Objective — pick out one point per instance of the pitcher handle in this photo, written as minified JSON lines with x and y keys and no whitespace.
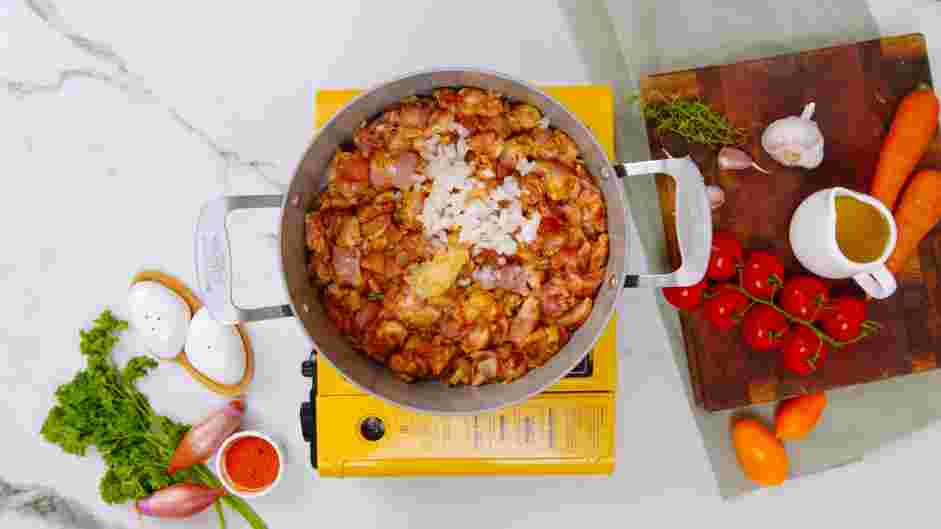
{"x":879,"y":283}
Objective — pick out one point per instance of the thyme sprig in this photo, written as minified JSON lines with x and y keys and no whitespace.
{"x":690,"y":118}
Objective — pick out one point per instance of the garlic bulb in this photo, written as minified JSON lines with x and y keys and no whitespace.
{"x":795,"y":140}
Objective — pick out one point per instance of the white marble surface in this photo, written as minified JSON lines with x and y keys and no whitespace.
{"x":119,"y":119}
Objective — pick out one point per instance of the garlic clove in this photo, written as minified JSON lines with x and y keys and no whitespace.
{"x":795,"y":140}
{"x":716,"y":197}
{"x":732,"y":158}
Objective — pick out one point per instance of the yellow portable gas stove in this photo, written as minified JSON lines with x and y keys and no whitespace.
{"x":568,"y":429}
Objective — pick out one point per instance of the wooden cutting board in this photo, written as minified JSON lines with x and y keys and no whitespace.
{"x":856,"y":88}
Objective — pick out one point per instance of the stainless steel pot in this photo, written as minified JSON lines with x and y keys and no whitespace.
{"x":214,"y":270}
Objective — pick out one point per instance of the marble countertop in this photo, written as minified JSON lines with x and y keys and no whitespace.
{"x":119,"y":120}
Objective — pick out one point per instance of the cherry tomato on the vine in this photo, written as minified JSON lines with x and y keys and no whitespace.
{"x":725,"y":309}
{"x":764,"y":328}
{"x":726,"y":256}
{"x":843,"y":317}
{"x":803,"y":351}
{"x":763,"y":274}
{"x":841,"y":330}
{"x":685,"y":298}
{"x":804,"y":297}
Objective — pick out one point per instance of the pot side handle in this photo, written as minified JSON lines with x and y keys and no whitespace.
{"x":214,"y":260}
{"x":693,"y":221}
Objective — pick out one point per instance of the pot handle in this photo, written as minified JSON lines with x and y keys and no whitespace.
{"x":214,"y":260}
{"x":693,"y":221}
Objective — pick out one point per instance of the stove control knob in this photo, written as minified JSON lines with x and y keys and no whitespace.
{"x":307,"y":421}
{"x":308,"y":368}
{"x":372,"y":428}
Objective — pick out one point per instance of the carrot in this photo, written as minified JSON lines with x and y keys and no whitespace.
{"x":913,"y":128}
{"x":917,"y":214}
{"x":797,"y":417}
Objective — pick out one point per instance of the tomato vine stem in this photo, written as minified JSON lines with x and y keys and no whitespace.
{"x":869,"y":327}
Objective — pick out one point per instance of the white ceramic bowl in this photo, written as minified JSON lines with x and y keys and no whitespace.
{"x":224,"y":476}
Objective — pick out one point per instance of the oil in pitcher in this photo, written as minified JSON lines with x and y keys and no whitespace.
{"x":861,"y":231}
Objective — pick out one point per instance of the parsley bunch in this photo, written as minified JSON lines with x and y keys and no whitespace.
{"x":102,"y":407}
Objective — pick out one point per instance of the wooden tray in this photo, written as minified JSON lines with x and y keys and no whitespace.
{"x":194,"y":303}
{"x":856,"y":88}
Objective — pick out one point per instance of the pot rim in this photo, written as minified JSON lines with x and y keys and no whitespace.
{"x":613,"y":278}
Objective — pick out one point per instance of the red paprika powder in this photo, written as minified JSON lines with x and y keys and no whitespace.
{"x":251,"y":463}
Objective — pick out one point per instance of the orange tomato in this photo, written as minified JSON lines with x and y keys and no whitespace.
{"x":797,"y":417}
{"x":760,"y":454}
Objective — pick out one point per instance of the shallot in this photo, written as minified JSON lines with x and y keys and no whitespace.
{"x":795,"y":140}
{"x":732,"y":158}
{"x":202,"y":440}
{"x":178,"y":501}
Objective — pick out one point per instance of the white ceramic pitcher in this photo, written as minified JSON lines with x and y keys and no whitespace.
{"x":813,"y":240}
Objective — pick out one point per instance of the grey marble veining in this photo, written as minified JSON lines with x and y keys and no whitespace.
{"x":44,"y":507}
{"x":116,"y":73}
